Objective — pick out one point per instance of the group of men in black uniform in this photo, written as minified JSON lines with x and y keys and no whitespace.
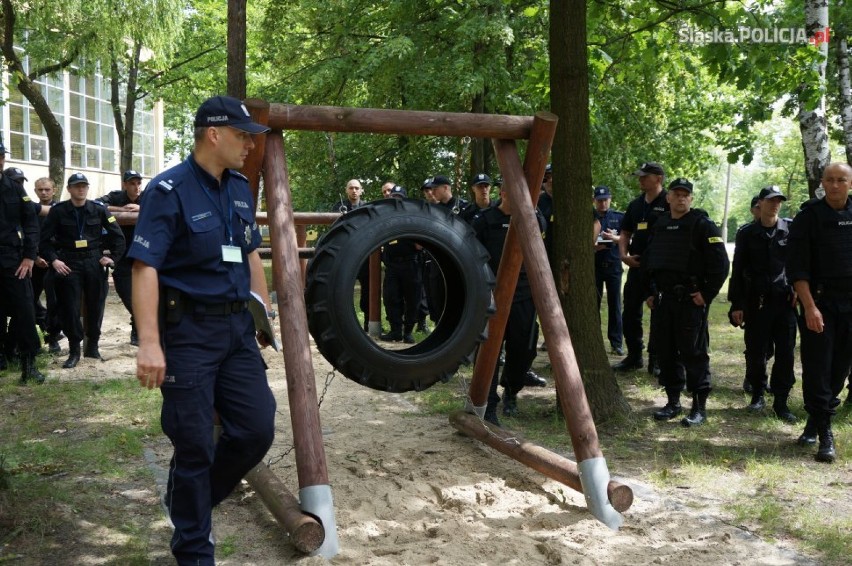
{"x":64,"y":250}
{"x":786,"y":274}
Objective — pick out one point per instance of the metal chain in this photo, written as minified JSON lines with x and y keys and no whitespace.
{"x":329,"y":378}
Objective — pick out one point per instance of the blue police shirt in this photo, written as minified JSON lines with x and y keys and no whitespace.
{"x":610,"y":220}
{"x":183,"y":224}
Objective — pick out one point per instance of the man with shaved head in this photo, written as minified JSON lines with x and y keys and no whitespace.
{"x":819,"y":264}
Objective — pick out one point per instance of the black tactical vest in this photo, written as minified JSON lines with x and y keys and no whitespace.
{"x":767,"y":255}
{"x":671,"y":248}
{"x":834,"y":235}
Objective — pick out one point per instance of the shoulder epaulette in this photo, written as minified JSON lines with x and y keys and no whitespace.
{"x":165,"y":185}
{"x":238,"y":174}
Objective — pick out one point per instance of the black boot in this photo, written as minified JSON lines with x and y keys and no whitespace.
{"x":698,"y":414}
{"x":395,"y":335}
{"x":672,"y":408}
{"x":758,"y":403}
{"x":29,"y":371}
{"x":407,"y":337}
{"x":423,"y":327}
{"x":510,"y":403}
{"x":490,"y":415}
{"x":92,"y":350}
{"x":825,"y":452}
{"x":809,"y":435}
{"x":73,"y":355}
{"x":782,"y":411}
{"x":532,"y":379}
{"x":630,"y":363}
{"x":134,"y":336}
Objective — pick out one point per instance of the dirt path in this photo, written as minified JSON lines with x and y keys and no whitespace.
{"x":408,"y":489}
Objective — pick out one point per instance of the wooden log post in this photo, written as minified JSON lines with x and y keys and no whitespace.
{"x":259,"y":110}
{"x":552,"y":465}
{"x":301,"y":381}
{"x":305,"y":531}
{"x":543,"y":130}
{"x":374,"y":311}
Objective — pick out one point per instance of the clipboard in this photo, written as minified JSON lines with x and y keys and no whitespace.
{"x":261,"y":322}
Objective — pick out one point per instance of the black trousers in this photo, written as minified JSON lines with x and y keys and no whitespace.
{"x":680,"y":335}
{"x":87,"y":279}
{"x":631,"y":316}
{"x":17,"y":302}
{"x":436,"y":289}
{"x":770,"y":326}
{"x":401,"y":292}
{"x":520,"y":340}
{"x":122,"y":277}
{"x":611,"y":280}
{"x":46,"y":317}
{"x":826,"y":357}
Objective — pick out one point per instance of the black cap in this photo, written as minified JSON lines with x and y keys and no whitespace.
{"x":15,"y":174}
{"x":3,"y":149}
{"x":130,"y":174}
{"x":680,"y":183}
{"x":397,"y":191}
{"x":226,"y":111}
{"x":481,"y":179}
{"x":754,"y":201}
{"x":602,"y":192}
{"x":436,"y":181}
{"x":76,"y":179}
{"x":771,"y":191}
{"x":650,"y":168}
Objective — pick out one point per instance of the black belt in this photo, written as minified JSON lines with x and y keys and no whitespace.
{"x":74,"y":254}
{"x":189,"y":306}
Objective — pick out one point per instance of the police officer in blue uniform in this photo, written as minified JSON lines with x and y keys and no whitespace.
{"x":125,"y":200}
{"x":638,"y":221}
{"x":19,"y":234}
{"x":763,"y":300}
{"x":197,"y":264}
{"x":402,"y":287}
{"x":608,"y":268}
{"x":683,"y":266}
{"x":521,"y":335}
{"x":819,"y":264}
{"x":75,"y":237}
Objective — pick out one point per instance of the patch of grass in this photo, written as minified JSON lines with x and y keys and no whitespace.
{"x":76,"y":446}
{"x":226,"y":547}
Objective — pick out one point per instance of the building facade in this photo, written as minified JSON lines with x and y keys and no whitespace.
{"x":82,"y":106}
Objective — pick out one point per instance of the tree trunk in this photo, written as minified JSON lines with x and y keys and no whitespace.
{"x":812,"y":122}
{"x":572,"y":196}
{"x":845,"y":95}
{"x":237,"y":48}
{"x":32,"y":92}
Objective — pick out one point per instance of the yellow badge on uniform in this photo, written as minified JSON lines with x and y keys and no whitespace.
{"x":642,"y":226}
{"x":81,"y":244}
{"x":111,"y":219}
{"x":714,"y":240}
{"x":26,"y":199}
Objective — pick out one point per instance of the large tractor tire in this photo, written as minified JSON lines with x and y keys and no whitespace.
{"x":330,"y":286}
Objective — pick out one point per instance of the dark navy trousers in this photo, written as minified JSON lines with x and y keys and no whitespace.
{"x":213,"y":365}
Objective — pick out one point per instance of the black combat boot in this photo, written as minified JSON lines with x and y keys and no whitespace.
{"x":698,"y":414}
{"x":825,"y":452}
{"x":29,"y":371}
{"x":758,"y":402}
{"x":809,"y":435}
{"x":407,"y":337}
{"x":395,"y":335}
{"x":672,"y":408}
{"x":630,"y":363}
{"x":782,"y":411}
{"x":532,"y":379}
{"x":92,"y":350}
{"x":73,"y":355}
{"x":510,"y":402}
{"x":423,"y":327}
{"x":490,"y":415}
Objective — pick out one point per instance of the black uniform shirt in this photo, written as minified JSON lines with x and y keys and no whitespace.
{"x":344,"y":206}
{"x":455,"y":204}
{"x":491,"y":227}
{"x":639,"y":219}
{"x":66,"y":225}
{"x":820,"y":246}
{"x":121,"y":198}
{"x":19,"y":230}
{"x":759,"y":258}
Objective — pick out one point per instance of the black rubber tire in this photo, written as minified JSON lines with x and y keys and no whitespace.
{"x":331,"y":279}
